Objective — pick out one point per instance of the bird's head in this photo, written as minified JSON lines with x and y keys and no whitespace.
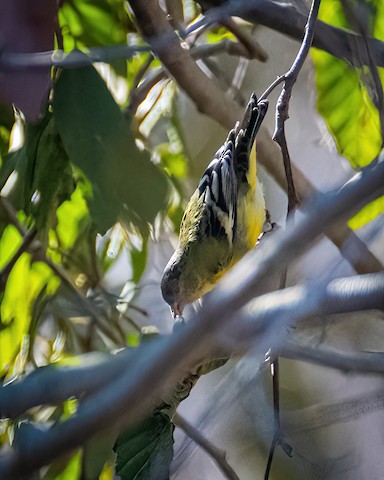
{"x":170,"y":286}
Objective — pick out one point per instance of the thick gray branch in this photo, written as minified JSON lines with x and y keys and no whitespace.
{"x":156,"y":367}
{"x":365,"y":362}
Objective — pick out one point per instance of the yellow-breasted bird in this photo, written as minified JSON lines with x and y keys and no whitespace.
{"x":223,"y":218}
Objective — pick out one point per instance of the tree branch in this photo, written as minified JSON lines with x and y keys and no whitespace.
{"x":158,"y":32}
{"x":75,"y":59}
{"x":139,"y":93}
{"x":218,"y":455}
{"x":283,"y":102}
{"x":269,"y":317}
{"x":290,"y":19}
{"x":156,"y":367}
{"x":52,"y":385}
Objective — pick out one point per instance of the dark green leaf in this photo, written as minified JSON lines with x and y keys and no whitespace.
{"x":139,"y":260}
{"x":145,"y":452}
{"x":6,"y":122}
{"x":21,"y":164}
{"x":97,"y":138}
{"x":52,"y":179}
{"x":97,"y":451}
{"x":40,"y":173}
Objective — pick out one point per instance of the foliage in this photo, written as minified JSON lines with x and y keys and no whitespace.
{"x":347,"y":95}
{"x":97,"y":139}
{"x":146,"y":451}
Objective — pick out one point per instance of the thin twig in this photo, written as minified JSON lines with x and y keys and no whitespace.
{"x":216,"y":453}
{"x":198,"y":52}
{"x":142,"y":71}
{"x":254,"y":49}
{"x":271,"y":452}
{"x":279,"y":136}
{"x":57,"y":58}
{"x":283,"y":102}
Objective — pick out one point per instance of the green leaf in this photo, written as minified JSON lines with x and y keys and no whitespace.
{"x":7,"y":121}
{"x":94,"y":23}
{"x":139,"y":259}
{"x":367,"y":214}
{"x":344,"y":99}
{"x":71,"y":471}
{"x":145,"y":452}
{"x":71,"y":215}
{"x":9,"y":243}
{"x":52,"y":180}
{"x":73,"y":241}
{"x":98,"y":139}
{"x":37,"y":178}
{"x":24,"y":285}
{"x":110,"y":246}
{"x":21,"y":164}
{"x":97,"y":451}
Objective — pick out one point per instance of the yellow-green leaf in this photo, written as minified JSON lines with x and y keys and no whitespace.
{"x":25,"y":282}
{"x":367,"y":214}
{"x":344,"y":100}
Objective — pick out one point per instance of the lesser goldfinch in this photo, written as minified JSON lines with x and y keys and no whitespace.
{"x":223,"y":218}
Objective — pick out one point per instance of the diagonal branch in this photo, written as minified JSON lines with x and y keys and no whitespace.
{"x":157,"y":366}
{"x":218,"y":455}
{"x":158,"y":32}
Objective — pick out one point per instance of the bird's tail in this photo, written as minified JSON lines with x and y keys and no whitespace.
{"x":245,"y":136}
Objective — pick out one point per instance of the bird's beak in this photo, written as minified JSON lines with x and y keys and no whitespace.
{"x":176,"y":310}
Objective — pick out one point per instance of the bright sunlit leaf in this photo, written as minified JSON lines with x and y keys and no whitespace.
{"x":94,"y":23}
{"x":72,"y":470}
{"x":25,"y":283}
{"x":344,"y":100}
{"x":70,"y":216}
{"x":367,"y":214}
{"x":9,"y":243}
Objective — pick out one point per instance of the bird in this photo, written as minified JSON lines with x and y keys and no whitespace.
{"x":223,"y":218}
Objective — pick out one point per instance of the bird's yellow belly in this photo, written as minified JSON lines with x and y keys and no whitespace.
{"x":251,"y":212}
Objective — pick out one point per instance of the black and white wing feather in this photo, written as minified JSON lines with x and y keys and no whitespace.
{"x":218,"y":186}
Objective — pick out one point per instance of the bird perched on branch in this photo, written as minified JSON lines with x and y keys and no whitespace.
{"x":223,"y":218}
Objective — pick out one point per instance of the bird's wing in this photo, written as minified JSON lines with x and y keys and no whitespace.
{"x":218,"y":190}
